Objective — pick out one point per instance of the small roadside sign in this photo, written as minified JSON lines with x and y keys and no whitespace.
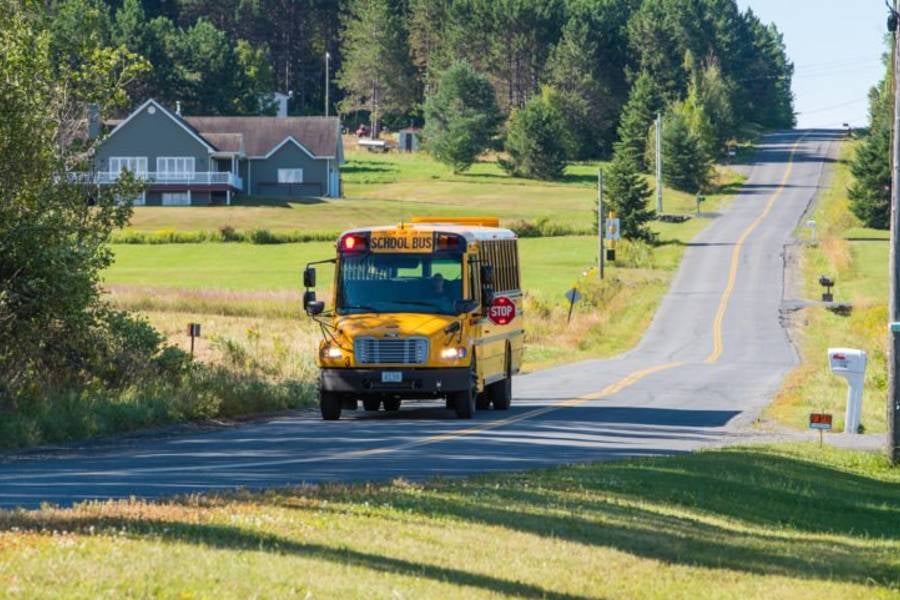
{"x":573,"y":295}
{"x":820,"y":421}
{"x":193,"y":330}
{"x":613,"y":229}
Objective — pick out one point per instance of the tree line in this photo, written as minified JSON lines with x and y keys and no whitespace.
{"x":870,"y":192}
{"x":388,"y":56}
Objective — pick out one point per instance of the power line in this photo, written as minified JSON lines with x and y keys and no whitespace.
{"x":828,"y":108}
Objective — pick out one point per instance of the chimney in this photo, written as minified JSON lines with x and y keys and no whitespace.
{"x":178,"y":107}
{"x":93,"y":122}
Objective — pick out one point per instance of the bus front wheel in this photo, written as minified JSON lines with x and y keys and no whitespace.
{"x":330,"y":405}
{"x":464,"y":401}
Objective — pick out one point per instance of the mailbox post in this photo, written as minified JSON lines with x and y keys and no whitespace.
{"x":851,"y":365}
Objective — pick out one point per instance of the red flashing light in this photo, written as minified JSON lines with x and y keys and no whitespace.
{"x":353,"y":242}
{"x":447,"y":242}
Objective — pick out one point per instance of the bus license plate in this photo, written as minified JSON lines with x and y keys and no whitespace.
{"x":391,"y":377}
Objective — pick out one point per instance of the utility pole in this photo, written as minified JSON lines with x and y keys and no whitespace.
{"x":600,"y":257}
{"x":659,"y":189}
{"x":893,"y":401}
{"x":327,"y":80}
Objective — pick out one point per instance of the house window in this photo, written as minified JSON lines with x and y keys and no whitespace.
{"x":176,"y":199}
{"x":134,"y":164}
{"x":175,"y":165}
{"x":290,"y":175}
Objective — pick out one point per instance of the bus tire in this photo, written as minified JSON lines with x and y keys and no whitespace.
{"x":483,"y":401}
{"x":464,"y":401}
{"x":371,"y":404}
{"x":330,"y":405}
{"x":392,"y":404}
{"x":500,"y":392}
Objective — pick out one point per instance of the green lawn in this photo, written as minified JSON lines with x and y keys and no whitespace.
{"x":857,"y":258}
{"x":386,"y":188}
{"x":549,"y":265}
{"x":766,"y":522}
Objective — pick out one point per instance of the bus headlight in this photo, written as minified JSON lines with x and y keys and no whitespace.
{"x":331,"y":351}
{"x":453,"y":353}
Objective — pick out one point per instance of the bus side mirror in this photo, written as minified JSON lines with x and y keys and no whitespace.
{"x":487,"y":294}
{"x":309,"y":277}
{"x":312,"y":306}
{"x":487,"y":275}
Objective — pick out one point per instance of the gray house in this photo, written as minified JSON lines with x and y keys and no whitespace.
{"x":207,"y":160}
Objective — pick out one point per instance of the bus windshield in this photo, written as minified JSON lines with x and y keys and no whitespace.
{"x":392,"y":283}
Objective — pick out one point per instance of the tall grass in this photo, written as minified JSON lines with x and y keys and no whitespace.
{"x":225,"y":233}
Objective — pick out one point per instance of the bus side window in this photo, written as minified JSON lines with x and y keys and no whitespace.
{"x":474,"y":280}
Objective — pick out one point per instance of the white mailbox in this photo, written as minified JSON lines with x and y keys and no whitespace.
{"x":850,"y":364}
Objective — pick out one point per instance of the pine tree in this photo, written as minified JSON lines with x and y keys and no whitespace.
{"x":870,"y":192}
{"x":687,"y":166}
{"x":637,"y":117}
{"x":461,"y":118}
{"x":538,"y":141}
{"x":376,"y":72}
{"x":629,"y":194}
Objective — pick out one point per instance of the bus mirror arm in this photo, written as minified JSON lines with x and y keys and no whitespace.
{"x":487,"y":295}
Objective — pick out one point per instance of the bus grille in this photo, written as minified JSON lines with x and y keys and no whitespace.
{"x":398,"y":351}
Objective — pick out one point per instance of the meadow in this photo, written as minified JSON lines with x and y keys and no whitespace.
{"x":857,"y":258}
{"x":766,"y":522}
{"x":387,"y":188}
{"x":253,"y":283}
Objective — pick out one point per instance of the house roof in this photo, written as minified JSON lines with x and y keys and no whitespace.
{"x":225,"y":142}
{"x":261,"y":135}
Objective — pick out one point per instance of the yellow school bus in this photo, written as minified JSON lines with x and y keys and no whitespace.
{"x":421,"y":310}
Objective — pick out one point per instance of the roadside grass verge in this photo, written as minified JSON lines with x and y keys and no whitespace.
{"x":763,"y":522}
{"x":244,"y":366}
{"x":857,"y":258}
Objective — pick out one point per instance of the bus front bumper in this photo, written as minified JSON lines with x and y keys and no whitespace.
{"x":396,"y":381}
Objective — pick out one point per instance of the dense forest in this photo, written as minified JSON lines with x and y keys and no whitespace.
{"x":387,"y":57}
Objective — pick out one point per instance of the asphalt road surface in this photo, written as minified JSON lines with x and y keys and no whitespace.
{"x":712,"y":358}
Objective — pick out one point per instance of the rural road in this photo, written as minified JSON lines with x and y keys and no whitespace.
{"x":712,"y":358}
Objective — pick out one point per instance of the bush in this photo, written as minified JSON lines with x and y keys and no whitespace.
{"x":543,"y":227}
{"x":263,"y":236}
{"x":228,"y":234}
{"x":538,"y":141}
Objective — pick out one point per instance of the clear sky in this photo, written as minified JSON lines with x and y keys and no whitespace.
{"x":836,"y":47}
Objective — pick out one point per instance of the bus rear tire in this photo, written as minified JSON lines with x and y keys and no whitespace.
{"x":371,"y":404}
{"x":330,"y":405}
{"x":392,"y":404}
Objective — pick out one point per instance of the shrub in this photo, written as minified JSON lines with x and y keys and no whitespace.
{"x":264,"y":236}
{"x":228,"y":234}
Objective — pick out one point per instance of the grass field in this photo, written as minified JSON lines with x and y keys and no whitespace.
{"x":858,"y":260}
{"x":386,"y":188}
{"x":765,"y":522}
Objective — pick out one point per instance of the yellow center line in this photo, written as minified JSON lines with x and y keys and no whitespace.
{"x":628,"y":380}
{"x":718,"y":346}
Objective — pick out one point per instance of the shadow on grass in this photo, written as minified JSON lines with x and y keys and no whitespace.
{"x":235,"y":538}
{"x":772,"y":512}
{"x":747,"y":510}
{"x":275,"y":201}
